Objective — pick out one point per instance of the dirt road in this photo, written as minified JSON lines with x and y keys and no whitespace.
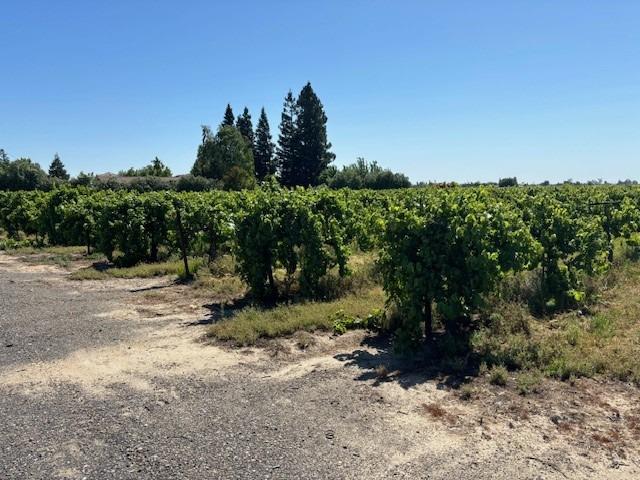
{"x":112,"y":380}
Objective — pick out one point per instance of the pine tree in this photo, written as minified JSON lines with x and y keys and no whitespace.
{"x":245,"y":127}
{"x":313,"y":155}
{"x":263,"y":151}
{"x":4,"y":158}
{"x":287,"y":143}
{"x":57,"y":170}
{"x":229,"y":118}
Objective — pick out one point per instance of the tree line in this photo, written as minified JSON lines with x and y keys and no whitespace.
{"x":234,"y":157}
{"x":238,"y":156}
{"x":23,"y":174}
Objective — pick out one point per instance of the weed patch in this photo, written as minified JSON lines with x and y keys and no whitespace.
{"x":251,"y":324}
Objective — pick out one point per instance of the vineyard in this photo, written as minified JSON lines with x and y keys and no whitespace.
{"x":441,"y":252}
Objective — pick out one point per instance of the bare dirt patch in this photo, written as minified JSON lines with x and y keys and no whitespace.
{"x":18,"y":264}
{"x":408,"y":419}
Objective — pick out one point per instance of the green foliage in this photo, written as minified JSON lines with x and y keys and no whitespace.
{"x":342,"y":322}
{"x":573,"y":245}
{"x":293,"y":230}
{"x":245,"y":127}
{"x":263,"y":151}
{"x":529,"y":382}
{"x":442,"y":251}
{"x":252,"y":324}
{"x":363,"y":174}
{"x":498,"y":375}
{"x":57,"y":170}
{"x":22,"y":174}
{"x":142,"y":270}
{"x":84,"y":180}
{"x":303,"y":148}
{"x":287,"y":151}
{"x":227,"y":158}
{"x":229,"y":117}
{"x":449,"y":249}
{"x":508,"y":182}
{"x":313,"y":153}
{"x":155,"y":169}
{"x":190,"y":183}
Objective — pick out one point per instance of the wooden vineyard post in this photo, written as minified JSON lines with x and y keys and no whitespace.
{"x":182,"y":239}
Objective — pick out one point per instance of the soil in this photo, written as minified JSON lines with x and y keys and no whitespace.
{"x":114,"y":379}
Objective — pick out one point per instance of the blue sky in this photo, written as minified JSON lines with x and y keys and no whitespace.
{"x":458,"y":90}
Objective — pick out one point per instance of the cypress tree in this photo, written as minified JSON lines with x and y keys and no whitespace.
{"x":287,"y":149}
{"x":229,"y":118}
{"x":57,"y":170}
{"x":263,"y":151}
{"x":313,"y":155}
{"x":245,"y":127}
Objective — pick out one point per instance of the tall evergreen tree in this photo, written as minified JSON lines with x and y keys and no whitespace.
{"x":57,"y":170}
{"x":313,"y":155}
{"x":4,"y":159}
{"x":286,"y":153}
{"x":245,"y":127}
{"x":263,"y":149}
{"x":229,"y":118}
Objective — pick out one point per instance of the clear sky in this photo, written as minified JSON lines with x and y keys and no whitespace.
{"x":441,"y":90}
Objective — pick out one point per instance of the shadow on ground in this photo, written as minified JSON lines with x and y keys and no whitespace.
{"x":219,"y":311}
{"x":424,"y":365}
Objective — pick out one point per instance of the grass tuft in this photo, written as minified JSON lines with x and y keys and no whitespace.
{"x":251,"y":324}
{"x":529,"y":382}
{"x":304,"y":340}
{"x":142,"y":270}
{"x":498,"y":375}
{"x":466,"y":393}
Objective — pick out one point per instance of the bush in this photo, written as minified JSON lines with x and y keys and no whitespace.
{"x":191,"y":183}
{"x":295,"y":231}
{"x":529,"y":382}
{"x":508,"y":182}
{"x":498,"y":375}
{"x":342,"y":321}
{"x":23,"y":174}
{"x":363,"y":174}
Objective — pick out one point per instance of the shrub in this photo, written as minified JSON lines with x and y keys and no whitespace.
{"x":529,"y":382}
{"x":342,"y":322}
{"x":498,"y":375}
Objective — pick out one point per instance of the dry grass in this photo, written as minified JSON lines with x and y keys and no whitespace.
{"x":251,"y":324}
{"x":529,"y":382}
{"x":142,"y":270}
{"x":603,"y":340}
{"x":304,"y":340}
{"x":466,"y":393}
{"x":382,"y":372}
{"x":71,"y":250}
{"x":224,"y":288}
{"x":435,"y":410}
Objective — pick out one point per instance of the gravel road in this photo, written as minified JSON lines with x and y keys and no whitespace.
{"x":92,"y":388}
